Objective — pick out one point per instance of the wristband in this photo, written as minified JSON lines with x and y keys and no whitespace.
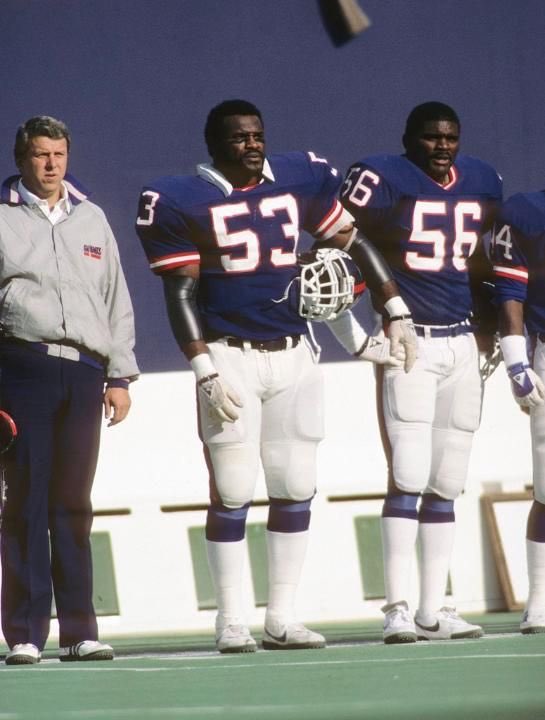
{"x":396,"y":308}
{"x":202,"y":365}
{"x":513,"y":349}
{"x":117,"y":383}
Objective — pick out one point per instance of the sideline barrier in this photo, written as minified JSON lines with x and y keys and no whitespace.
{"x":150,"y":498}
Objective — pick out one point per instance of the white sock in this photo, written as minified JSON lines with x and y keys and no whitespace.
{"x":225,"y":560}
{"x":398,"y":546}
{"x":436,"y":541}
{"x":535,"y":557}
{"x":286,"y":554}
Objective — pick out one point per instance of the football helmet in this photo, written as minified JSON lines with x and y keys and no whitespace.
{"x":330,"y":282}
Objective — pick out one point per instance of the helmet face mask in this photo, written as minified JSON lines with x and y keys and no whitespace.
{"x":329,"y":284}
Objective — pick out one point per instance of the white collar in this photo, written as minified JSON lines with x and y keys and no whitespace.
{"x":212,"y":175}
{"x":29,"y":198}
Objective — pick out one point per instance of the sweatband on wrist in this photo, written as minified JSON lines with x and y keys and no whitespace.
{"x":513,"y":348}
{"x":396,"y":306}
{"x":202,"y":365}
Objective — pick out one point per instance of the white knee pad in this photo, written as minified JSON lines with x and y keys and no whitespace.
{"x":411,"y":456}
{"x":236,"y":468}
{"x":537,"y":425}
{"x":290,"y":469}
{"x":452,"y":450}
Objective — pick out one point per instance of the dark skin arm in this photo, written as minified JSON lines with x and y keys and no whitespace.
{"x":389,"y":288}
{"x":511,"y":318}
{"x":194,"y":347}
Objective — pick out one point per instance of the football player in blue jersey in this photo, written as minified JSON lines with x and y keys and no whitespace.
{"x":225,"y":244}
{"x":518,"y":251}
{"x":426,"y":211}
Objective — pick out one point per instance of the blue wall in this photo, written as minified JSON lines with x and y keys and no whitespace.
{"x":134,"y":80}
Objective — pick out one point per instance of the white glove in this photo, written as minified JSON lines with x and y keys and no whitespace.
{"x":221,"y":400}
{"x":527,"y":388}
{"x":377,"y":349}
{"x":403,"y":340}
{"x":374,"y":348}
{"x":401,"y":331}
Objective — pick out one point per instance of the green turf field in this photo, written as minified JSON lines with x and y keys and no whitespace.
{"x":501,"y":676}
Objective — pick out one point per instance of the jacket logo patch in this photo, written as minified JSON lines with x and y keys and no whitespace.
{"x":92,"y":251}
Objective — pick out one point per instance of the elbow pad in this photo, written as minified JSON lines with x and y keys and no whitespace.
{"x":373,"y":266}
{"x":183,"y":314}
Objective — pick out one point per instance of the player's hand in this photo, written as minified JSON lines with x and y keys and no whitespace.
{"x":222,"y":400}
{"x":377,"y":349}
{"x":527,"y":388}
{"x":403,"y":341}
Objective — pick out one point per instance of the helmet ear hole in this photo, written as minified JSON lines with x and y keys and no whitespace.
{"x":330,"y":283}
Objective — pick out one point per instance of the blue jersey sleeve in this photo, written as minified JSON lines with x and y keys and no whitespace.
{"x":324,"y":215}
{"x":368,"y":197}
{"x":163,"y":231}
{"x":510,"y":263}
{"x":519,"y":256}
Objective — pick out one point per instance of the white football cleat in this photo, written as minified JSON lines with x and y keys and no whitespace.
{"x":290,"y":636}
{"x":23,"y":654}
{"x":235,"y":639}
{"x":86,"y":650}
{"x":448,"y":626}
{"x":532,"y":624}
{"x":398,"y":624}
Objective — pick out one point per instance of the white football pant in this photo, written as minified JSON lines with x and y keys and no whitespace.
{"x":537,"y":428}
{"x":431,"y":414}
{"x":280,"y":424}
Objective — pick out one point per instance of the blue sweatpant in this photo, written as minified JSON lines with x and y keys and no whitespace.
{"x":57,"y":406}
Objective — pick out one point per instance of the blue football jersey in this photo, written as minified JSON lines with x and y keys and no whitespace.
{"x":245,"y":240}
{"x":425,"y":231}
{"x":518,"y":252}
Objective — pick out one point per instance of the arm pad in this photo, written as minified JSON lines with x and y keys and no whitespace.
{"x":373,"y":266}
{"x":183,"y":314}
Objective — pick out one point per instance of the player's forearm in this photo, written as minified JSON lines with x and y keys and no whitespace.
{"x":375,"y":270}
{"x":511,"y":318}
{"x":183,"y":314}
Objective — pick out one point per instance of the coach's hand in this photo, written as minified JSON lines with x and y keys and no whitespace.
{"x":403,"y":341}
{"x":527,"y":388}
{"x":117,"y":403}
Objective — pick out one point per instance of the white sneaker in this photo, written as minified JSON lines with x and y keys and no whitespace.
{"x":86,"y":650}
{"x":235,"y":639}
{"x":532,"y":624}
{"x":23,"y":654}
{"x":448,"y":626}
{"x":398,"y":624}
{"x":291,"y":636}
